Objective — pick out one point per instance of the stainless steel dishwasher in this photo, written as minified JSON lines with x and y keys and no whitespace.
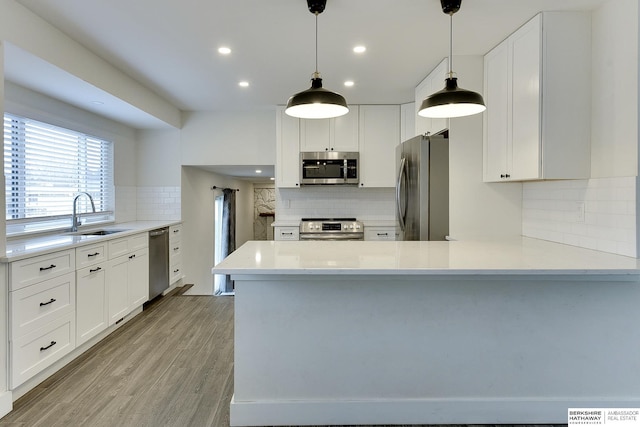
{"x":158,"y":261}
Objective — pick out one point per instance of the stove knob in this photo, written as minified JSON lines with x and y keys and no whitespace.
{"x":351,"y":226}
{"x":317,"y":227}
{"x":357,"y":227}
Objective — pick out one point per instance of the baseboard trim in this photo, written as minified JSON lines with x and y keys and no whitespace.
{"x":414,"y":411}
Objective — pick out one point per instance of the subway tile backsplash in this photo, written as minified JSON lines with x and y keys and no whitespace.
{"x":597,"y":213}
{"x":147,"y":203}
{"x":158,"y":203}
{"x":365,"y":204}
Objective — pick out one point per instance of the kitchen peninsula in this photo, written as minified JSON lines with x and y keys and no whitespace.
{"x":458,"y":332}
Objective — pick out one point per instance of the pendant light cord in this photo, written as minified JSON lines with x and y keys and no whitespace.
{"x":451,"y":45}
{"x":316,"y":74}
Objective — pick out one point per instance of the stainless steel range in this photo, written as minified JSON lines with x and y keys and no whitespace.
{"x":331,"y":229}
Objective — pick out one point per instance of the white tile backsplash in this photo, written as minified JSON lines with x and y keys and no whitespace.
{"x":365,"y":204}
{"x":551,"y":210}
{"x":147,"y":203}
{"x":126,"y":203}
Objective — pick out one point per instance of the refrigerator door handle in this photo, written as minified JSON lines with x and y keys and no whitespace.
{"x":400,"y":200}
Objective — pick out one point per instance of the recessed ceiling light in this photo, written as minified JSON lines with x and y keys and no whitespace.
{"x":258,"y":171}
{"x":349,"y":83}
{"x":359,"y":49}
{"x":243,"y":84}
{"x":224,"y":50}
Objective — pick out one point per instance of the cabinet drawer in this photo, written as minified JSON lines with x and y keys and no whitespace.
{"x":373,"y":233}
{"x":175,"y":250}
{"x":175,"y":271}
{"x":39,"y":349}
{"x":118,"y":247}
{"x":287,"y":233}
{"x":35,"y":306}
{"x":36,"y":269}
{"x":175,"y":232}
{"x":124,"y":245}
{"x":139,"y":241}
{"x":88,"y":255}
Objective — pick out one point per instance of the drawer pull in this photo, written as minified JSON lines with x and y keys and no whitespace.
{"x":287,"y":234}
{"x":176,"y":248}
{"x":175,"y":271}
{"x":48,"y":347}
{"x":176,"y":231}
{"x":95,"y":269}
{"x":51,"y":301}
{"x":132,"y":256}
{"x":94,"y":254}
{"x":383,"y":234}
{"x":47,"y":268}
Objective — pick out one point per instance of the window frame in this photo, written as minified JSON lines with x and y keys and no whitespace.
{"x":18,"y":165}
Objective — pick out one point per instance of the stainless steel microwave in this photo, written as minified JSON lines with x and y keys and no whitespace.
{"x":329,"y":168}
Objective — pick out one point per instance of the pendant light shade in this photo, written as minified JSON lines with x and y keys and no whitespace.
{"x":316,"y":102}
{"x":451,"y":101}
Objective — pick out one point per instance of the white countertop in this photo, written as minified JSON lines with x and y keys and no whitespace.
{"x":518,"y":256}
{"x":27,"y":247}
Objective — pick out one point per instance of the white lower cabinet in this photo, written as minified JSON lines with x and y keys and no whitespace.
{"x":286,"y":233}
{"x":128,"y":283}
{"x":138,"y":278}
{"x":42,"y":325}
{"x":91,"y":302}
{"x":39,"y":349}
{"x":379,"y":233}
{"x":54,"y":308}
{"x":175,"y":253}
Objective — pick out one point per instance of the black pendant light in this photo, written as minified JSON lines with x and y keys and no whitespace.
{"x":316,"y":102}
{"x":451,"y":101}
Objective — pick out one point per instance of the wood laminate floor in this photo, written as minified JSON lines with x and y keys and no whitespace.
{"x":170,"y":366}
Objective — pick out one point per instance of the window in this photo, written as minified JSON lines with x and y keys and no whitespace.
{"x":45,"y":167}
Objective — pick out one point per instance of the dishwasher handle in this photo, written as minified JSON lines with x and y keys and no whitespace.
{"x":159,"y":232}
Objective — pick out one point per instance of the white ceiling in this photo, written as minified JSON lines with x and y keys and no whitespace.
{"x":171,"y":46}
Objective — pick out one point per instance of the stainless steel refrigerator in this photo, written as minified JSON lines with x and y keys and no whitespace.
{"x":422,"y":188}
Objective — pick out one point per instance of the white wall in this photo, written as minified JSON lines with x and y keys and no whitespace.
{"x":229,"y":138}
{"x":158,"y":158}
{"x":477,"y":209}
{"x":26,"y":30}
{"x":614,"y":139}
{"x":22,"y":101}
{"x":198,"y":223}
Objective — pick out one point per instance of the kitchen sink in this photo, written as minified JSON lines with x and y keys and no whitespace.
{"x":101,"y":232}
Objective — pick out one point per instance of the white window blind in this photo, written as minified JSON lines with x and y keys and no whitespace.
{"x":46,"y":166}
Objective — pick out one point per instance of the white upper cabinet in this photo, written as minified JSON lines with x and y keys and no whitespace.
{"x":337,"y":134}
{"x":379,"y":137}
{"x":287,"y":150}
{"x":434,"y":82}
{"x":538,"y":96}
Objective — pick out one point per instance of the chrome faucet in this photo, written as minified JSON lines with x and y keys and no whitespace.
{"x":75,"y":219}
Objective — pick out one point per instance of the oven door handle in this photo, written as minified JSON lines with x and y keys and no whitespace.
{"x":332,"y":236}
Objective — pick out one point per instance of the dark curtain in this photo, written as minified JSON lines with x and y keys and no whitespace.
{"x":228,"y":232}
